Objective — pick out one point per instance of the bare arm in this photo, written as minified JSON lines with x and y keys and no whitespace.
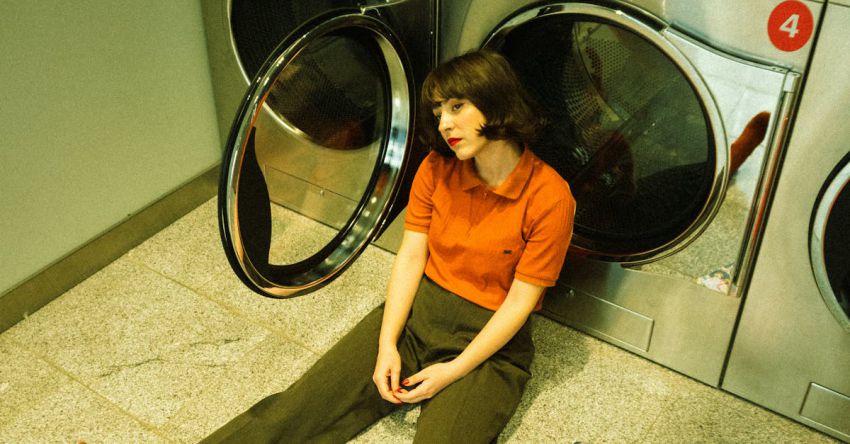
{"x":505,"y":323}
{"x":407,"y":271}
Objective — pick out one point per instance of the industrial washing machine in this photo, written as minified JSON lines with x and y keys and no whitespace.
{"x":667,"y":117}
{"x":321,"y":152}
{"x":792,"y":347}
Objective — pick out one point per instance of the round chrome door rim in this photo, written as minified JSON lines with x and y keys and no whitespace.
{"x":235,"y":50}
{"x":280,"y":120}
{"x":384,"y":185}
{"x":655,"y":36}
{"x":816,"y":244}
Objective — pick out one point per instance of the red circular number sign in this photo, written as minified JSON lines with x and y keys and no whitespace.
{"x":790,"y":25}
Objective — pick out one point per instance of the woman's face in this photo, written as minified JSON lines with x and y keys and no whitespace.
{"x":459,"y":122}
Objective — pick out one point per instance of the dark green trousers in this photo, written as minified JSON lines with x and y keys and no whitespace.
{"x":336,"y":399}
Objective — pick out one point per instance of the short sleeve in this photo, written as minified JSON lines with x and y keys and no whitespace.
{"x":420,"y":203}
{"x":547,"y":241}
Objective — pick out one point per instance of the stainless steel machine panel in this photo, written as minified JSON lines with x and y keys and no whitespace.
{"x":650,"y":122}
{"x":792,"y":348}
{"x":729,"y":26}
{"x":733,"y":26}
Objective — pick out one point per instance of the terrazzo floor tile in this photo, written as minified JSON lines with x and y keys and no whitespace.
{"x":558,"y":361}
{"x":269,"y":368}
{"x":166,"y":345}
{"x":319,"y":319}
{"x":39,"y":404}
{"x":295,"y":237}
{"x":579,"y":391}
{"x":188,"y":251}
{"x":138,"y":339}
{"x":703,"y":414}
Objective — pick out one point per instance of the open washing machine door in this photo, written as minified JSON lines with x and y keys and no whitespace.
{"x":317,"y":154}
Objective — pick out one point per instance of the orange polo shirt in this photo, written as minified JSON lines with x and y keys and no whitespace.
{"x":481,"y":238}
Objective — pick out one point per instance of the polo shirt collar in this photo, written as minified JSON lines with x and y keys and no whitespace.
{"x":513,"y":184}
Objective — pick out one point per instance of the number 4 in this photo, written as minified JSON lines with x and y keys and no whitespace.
{"x":790,"y":25}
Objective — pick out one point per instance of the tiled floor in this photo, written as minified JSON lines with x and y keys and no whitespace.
{"x":165,"y":345}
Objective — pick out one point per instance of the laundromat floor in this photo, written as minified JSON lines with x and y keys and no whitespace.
{"x":166,"y":344}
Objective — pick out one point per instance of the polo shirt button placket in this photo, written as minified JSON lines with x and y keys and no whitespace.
{"x":480,"y":205}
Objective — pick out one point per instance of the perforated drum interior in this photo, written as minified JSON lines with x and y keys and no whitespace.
{"x":626,"y":130}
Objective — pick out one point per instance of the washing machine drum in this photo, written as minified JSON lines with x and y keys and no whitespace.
{"x":626,"y":130}
{"x":830,"y":243}
{"x":837,"y":249}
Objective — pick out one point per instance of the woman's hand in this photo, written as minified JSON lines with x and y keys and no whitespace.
{"x":502,"y":326}
{"x":387,"y":370}
{"x":408,"y":268}
{"x":431,"y":380}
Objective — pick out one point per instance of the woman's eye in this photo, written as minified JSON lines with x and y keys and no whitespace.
{"x":457,"y":106}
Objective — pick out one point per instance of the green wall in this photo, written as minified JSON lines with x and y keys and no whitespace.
{"x":105,"y":107}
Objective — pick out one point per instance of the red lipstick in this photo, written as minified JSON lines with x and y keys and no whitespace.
{"x":452,"y":141}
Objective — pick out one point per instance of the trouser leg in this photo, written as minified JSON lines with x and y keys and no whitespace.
{"x":331,"y":402}
{"x":474,"y":409}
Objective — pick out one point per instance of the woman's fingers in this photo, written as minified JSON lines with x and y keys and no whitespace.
{"x":416,"y":378}
{"x":386,"y":375}
{"x":430,"y":381}
{"x":394,"y":376}
{"x":422,"y":392}
{"x":384,"y":387}
{"x":380,"y":383}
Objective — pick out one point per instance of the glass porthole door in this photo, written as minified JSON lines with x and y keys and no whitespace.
{"x":632,"y":127}
{"x":316,"y":154}
{"x":830,"y":243}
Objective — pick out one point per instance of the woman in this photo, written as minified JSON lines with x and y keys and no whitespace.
{"x":487,"y":228}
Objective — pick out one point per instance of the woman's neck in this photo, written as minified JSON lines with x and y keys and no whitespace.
{"x":496,"y":161}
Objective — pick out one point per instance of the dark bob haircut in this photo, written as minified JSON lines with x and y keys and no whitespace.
{"x":486,"y":79}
